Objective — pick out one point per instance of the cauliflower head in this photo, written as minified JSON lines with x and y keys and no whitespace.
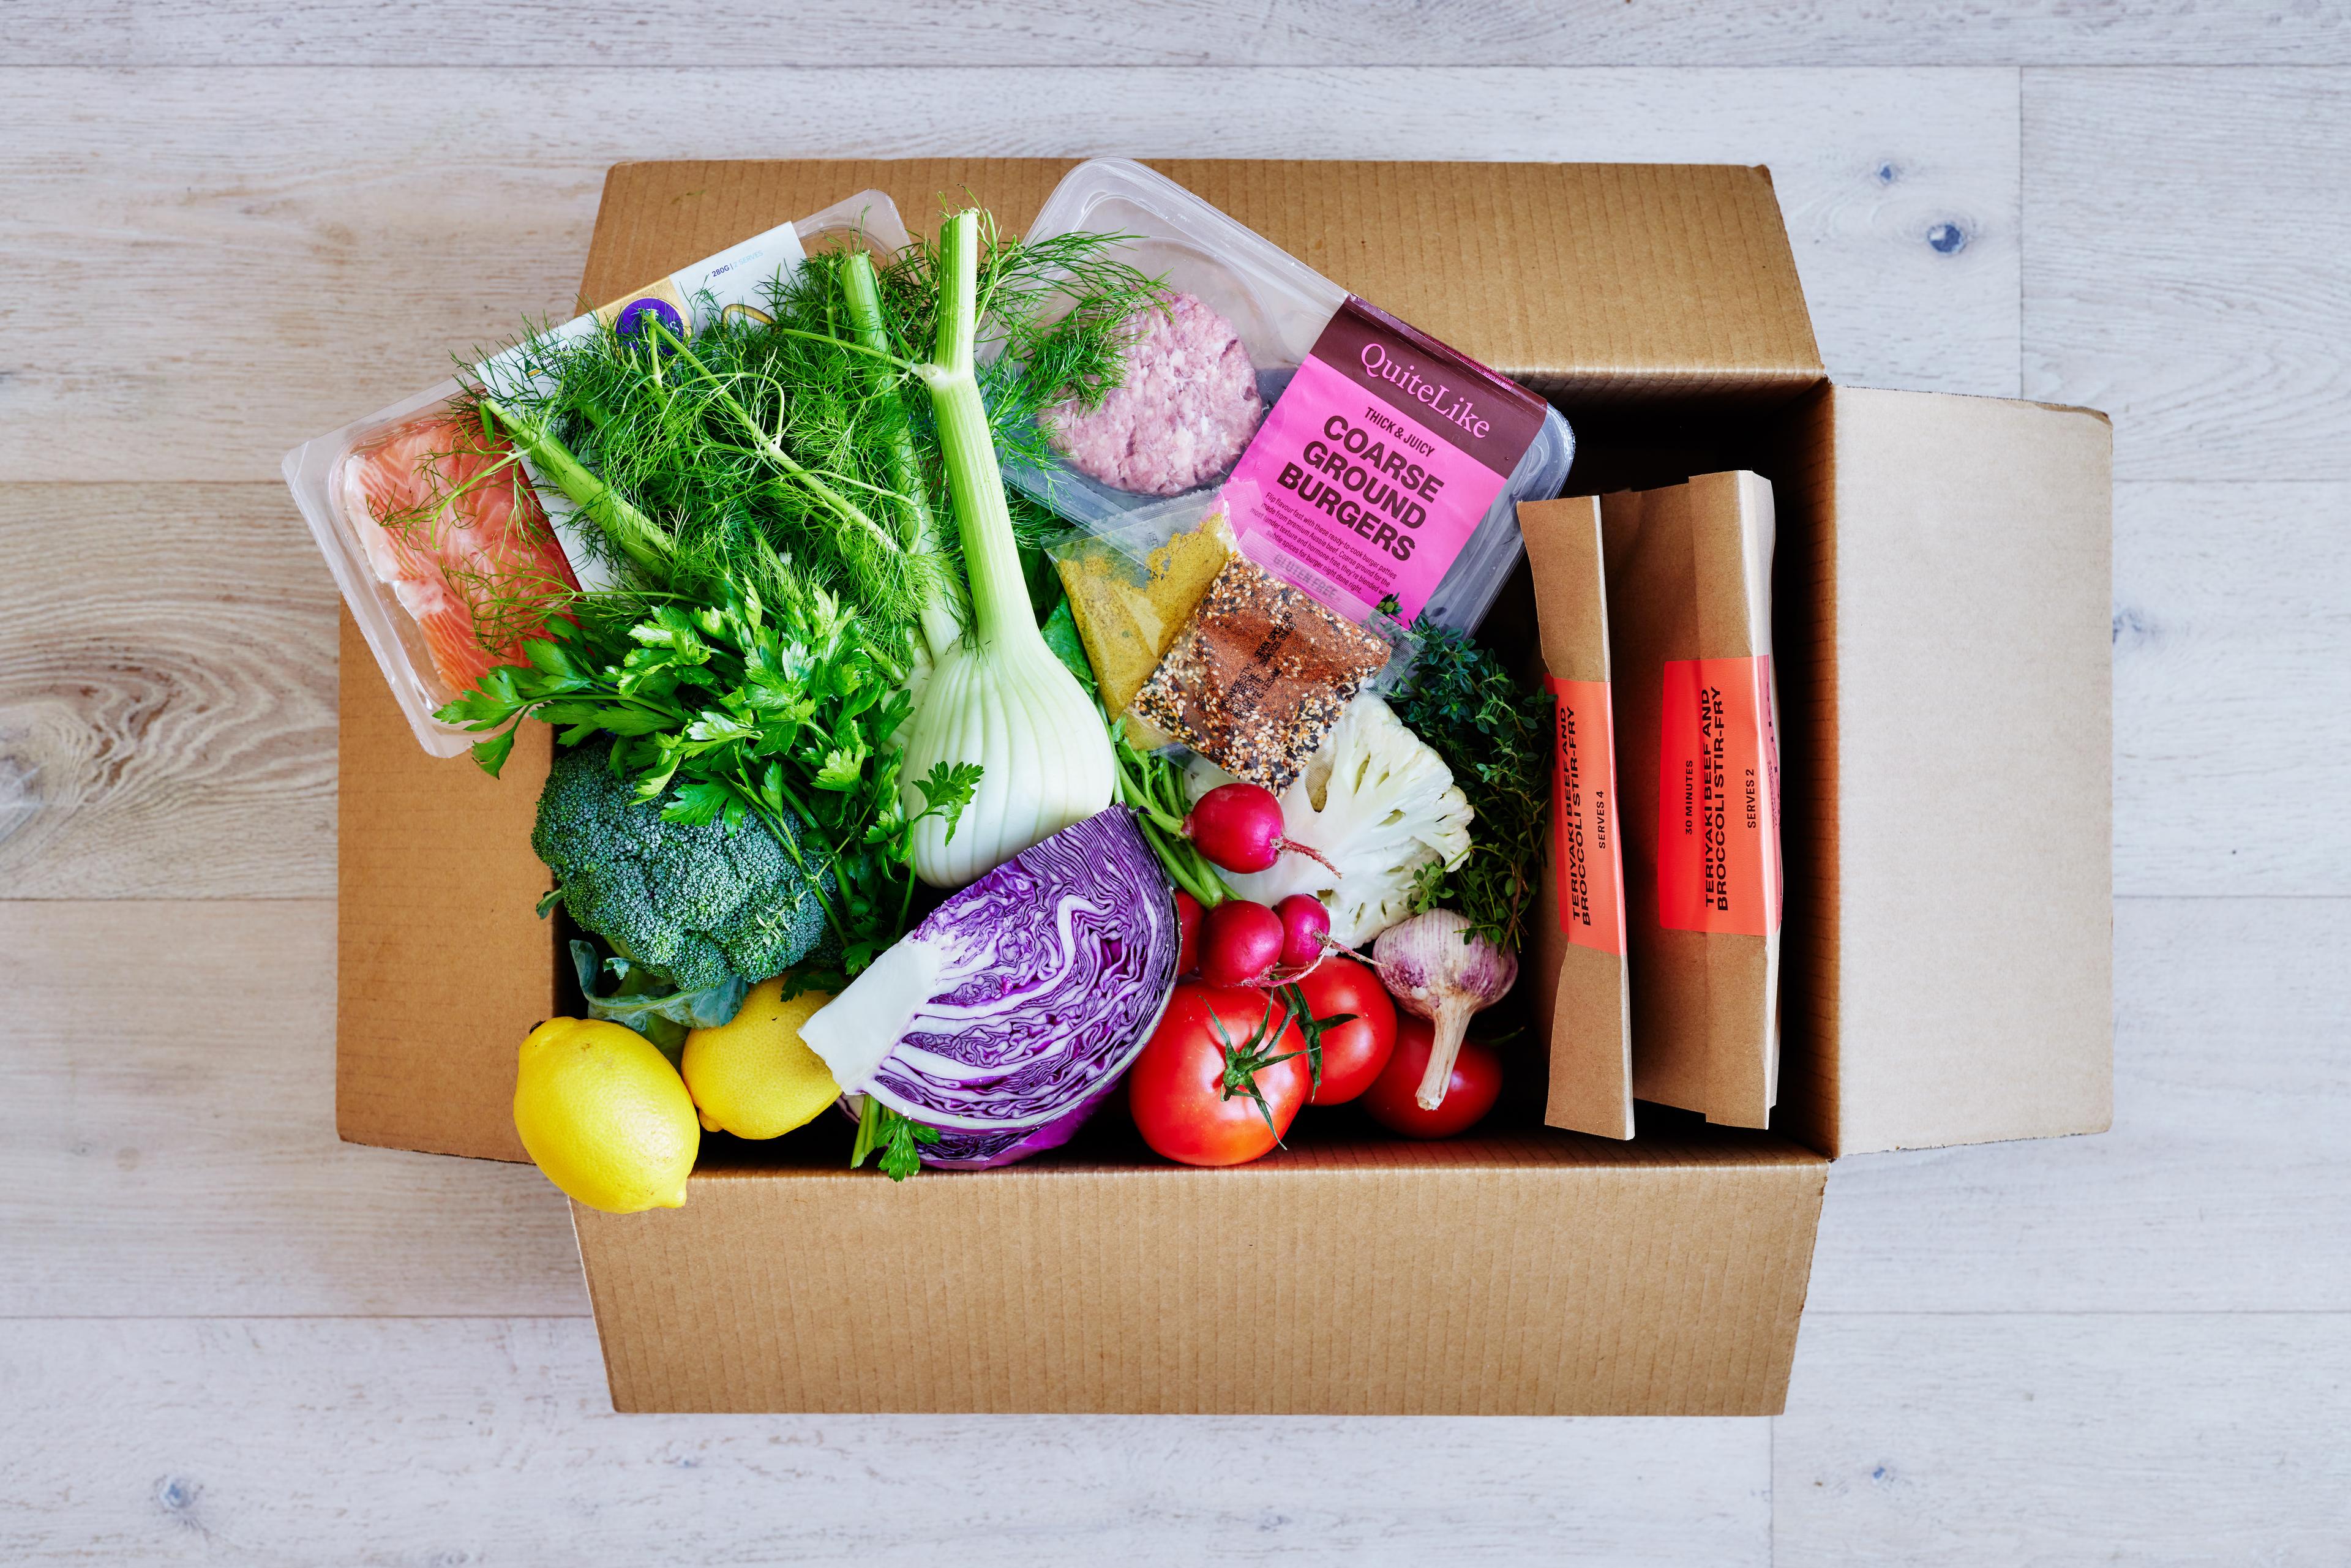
{"x":1379,"y":803}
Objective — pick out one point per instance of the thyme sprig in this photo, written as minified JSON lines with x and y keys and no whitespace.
{"x":1493,"y":732}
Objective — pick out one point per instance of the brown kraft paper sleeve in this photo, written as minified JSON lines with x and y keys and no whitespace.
{"x":1576,"y":959}
{"x":1689,"y":576}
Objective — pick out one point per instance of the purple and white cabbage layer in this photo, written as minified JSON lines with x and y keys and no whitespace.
{"x":1022,"y":998}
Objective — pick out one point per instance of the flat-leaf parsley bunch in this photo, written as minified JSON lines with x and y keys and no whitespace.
{"x":779,"y":712}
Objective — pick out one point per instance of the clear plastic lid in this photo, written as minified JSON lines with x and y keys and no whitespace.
{"x":386,"y":588}
{"x":1278,"y":307}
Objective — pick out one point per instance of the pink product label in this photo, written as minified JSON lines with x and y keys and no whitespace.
{"x":1718,"y":797}
{"x":1587,"y":848}
{"x":1376,"y":464}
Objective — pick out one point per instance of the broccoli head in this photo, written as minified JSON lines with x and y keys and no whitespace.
{"x":696,"y":903}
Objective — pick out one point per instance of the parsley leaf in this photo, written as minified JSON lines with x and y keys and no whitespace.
{"x":899,"y":1158}
{"x":895,"y":1137}
{"x":946,"y":790}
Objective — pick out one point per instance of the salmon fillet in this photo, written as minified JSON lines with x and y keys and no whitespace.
{"x":449,"y":521}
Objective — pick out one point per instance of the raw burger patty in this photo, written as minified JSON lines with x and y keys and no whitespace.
{"x":1184,"y":414}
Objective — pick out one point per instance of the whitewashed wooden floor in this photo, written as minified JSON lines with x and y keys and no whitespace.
{"x":226,"y":224}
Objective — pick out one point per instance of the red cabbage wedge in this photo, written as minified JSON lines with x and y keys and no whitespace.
{"x":1019,"y":1002}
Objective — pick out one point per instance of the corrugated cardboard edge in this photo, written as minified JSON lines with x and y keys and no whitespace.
{"x":441,"y":962}
{"x":1967,"y":950}
{"x":1586,"y":993}
{"x":1686,"y":566}
{"x":1514,"y":1274}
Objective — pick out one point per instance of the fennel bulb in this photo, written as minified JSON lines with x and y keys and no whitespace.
{"x":998,"y":696}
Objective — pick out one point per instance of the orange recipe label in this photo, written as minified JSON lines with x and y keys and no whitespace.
{"x":1584,"y":817}
{"x":1718,"y":799}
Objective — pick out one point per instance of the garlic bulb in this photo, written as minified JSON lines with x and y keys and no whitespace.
{"x":1433,"y":966}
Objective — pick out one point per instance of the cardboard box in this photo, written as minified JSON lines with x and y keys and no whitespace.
{"x":1941,"y":635}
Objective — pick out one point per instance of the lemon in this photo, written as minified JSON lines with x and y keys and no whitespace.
{"x":752,"y":1077}
{"x":604,"y":1116}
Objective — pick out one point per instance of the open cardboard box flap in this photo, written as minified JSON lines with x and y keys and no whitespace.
{"x":1504,"y":1275}
{"x":1942,"y":591}
{"x":1950,"y":837}
{"x":440,"y":967}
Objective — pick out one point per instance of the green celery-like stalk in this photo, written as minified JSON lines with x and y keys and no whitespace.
{"x":1000,"y":706}
{"x":1000,"y":593}
{"x":861,"y":291}
{"x":642,"y":541}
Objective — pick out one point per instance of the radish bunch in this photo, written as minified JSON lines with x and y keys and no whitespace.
{"x":1238,"y":827}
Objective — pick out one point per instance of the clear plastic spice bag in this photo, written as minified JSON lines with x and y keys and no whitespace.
{"x":1131,"y":588}
{"x":1258,"y":674}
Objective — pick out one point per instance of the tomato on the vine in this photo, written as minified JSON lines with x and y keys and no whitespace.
{"x":1222,"y":1077}
{"x":1476,"y":1082}
{"x":1354,"y":1051}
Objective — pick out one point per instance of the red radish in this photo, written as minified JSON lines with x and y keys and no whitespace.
{"x":1188,"y":921}
{"x":1240,"y":942}
{"x":1238,"y":827}
{"x":1305,"y":930}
